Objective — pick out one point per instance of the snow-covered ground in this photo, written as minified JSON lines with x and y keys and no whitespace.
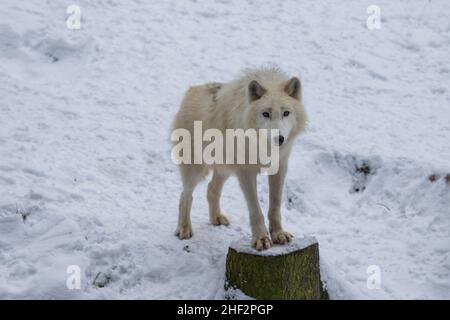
{"x":85,"y":172}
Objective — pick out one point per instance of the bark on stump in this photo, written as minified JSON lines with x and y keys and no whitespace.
{"x":283,"y":272}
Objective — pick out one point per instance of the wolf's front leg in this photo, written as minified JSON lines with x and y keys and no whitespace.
{"x":276,"y":183}
{"x":260,"y":236}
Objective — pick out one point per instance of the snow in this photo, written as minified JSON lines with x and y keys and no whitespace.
{"x":85,"y":171}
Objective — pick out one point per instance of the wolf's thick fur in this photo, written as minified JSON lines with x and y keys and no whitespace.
{"x":243,"y":103}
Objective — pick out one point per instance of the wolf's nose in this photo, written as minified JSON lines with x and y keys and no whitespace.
{"x":279,"y":140}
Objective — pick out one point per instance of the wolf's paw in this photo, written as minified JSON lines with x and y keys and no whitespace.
{"x":184,"y":232}
{"x":220,"y":220}
{"x":262,"y":243}
{"x":281,"y":237}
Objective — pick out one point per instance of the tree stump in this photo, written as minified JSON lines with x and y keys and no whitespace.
{"x":288,"y":272}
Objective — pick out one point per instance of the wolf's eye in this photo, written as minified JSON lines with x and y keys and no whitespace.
{"x":266,"y":115}
{"x":286,"y":113}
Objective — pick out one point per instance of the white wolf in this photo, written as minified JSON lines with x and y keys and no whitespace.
{"x":260,"y":99}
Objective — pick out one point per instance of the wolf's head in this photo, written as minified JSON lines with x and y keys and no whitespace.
{"x":275,"y":104}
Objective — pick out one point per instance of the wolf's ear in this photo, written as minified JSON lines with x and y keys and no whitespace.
{"x":255,"y":91}
{"x":293,"y":88}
